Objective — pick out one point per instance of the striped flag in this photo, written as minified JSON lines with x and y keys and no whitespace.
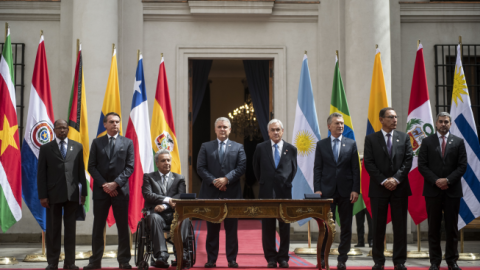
{"x":339,"y":104}
{"x":10,"y":168}
{"x":419,"y":126}
{"x":463,"y":126}
{"x":111,"y":103}
{"x":306,"y":134}
{"x":78,"y":120}
{"x":378,"y":101}
{"x":163,"y":127}
{"x":138,"y":130}
{"x":38,"y":131}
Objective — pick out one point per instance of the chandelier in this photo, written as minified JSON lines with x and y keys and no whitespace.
{"x":244,"y":119}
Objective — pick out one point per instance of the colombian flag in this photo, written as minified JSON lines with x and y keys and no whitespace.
{"x":339,"y":104}
{"x":378,"y":101}
{"x":78,"y":120}
{"x":111,"y":103}
{"x":163,"y":128}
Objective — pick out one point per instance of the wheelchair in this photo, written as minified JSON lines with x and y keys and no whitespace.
{"x":144,"y":245}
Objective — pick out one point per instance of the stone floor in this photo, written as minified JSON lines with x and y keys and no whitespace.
{"x":21,"y":250}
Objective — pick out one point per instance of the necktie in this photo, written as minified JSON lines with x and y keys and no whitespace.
{"x":221,"y":152}
{"x":335,"y":149}
{"x":164,"y":184}
{"x":389,"y":144}
{"x":112,"y":146}
{"x":443,"y":146}
{"x":277,"y":156}
{"x":63,"y":149}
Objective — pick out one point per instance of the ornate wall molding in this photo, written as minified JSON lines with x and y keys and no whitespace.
{"x":29,"y":11}
{"x":439,"y":12}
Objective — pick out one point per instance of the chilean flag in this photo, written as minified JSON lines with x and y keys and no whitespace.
{"x":138,"y":130}
{"x":38,"y":131}
{"x":419,"y":126}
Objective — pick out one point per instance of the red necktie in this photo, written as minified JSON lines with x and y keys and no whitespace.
{"x":443,"y":146}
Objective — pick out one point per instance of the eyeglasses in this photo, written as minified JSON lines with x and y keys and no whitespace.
{"x":391,"y":116}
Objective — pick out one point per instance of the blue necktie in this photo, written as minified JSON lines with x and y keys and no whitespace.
{"x":221,"y":152}
{"x":63,"y":149}
{"x":277,"y":156}
{"x":335,"y":149}
{"x":389,"y":144}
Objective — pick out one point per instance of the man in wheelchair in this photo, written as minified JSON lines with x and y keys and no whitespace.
{"x":159,"y":188}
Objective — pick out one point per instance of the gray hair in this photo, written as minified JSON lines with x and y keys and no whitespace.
{"x":333,"y":115}
{"x":443,"y":114}
{"x":162,"y":152}
{"x":223,"y":119}
{"x":274,"y":121}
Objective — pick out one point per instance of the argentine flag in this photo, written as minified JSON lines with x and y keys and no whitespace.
{"x":463,"y":126}
{"x":306,"y":134}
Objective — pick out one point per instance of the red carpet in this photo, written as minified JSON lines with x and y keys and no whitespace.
{"x":250,"y":251}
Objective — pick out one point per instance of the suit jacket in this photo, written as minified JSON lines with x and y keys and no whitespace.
{"x":153,"y":194}
{"x":380,"y":166}
{"x":210,"y":167}
{"x":271,"y":178}
{"x":58,"y":178}
{"x":104,"y":168}
{"x":344,"y":175}
{"x":432,"y":166}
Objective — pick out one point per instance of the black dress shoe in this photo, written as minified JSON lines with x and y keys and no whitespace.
{"x":341,"y":266}
{"x":92,"y":266}
{"x":71,"y":266}
{"x":232,"y":264}
{"x":272,"y":265}
{"x":283,"y":264}
{"x":162,"y":262}
{"x":52,"y":267}
{"x":434,"y":267}
{"x":124,"y":266}
{"x":210,"y":265}
{"x":360,"y":245}
{"x":378,"y":266}
{"x":453,"y":266}
{"x":400,"y":266}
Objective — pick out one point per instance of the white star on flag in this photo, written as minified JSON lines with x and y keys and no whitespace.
{"x":136,"y":87}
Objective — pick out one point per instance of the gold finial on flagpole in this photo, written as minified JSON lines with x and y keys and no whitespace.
{"x":138,"y":55}
{"x":461,"y":49}
{"x":161,"y":55}
{"x":376,"y":46}
{"x":338,"y":58}
{"x":41,"y":33}
{"x":78,"y":45}
{"x":305,"y":52}
{"x":6,"y":31}
{"x":418,"y":43}
{"x":113,"y":48}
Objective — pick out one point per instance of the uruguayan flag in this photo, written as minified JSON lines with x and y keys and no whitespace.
{"x":305,"y":136}
{"x":463,"y":126}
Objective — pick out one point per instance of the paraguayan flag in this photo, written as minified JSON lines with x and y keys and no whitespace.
{"x":463,"y":126}
{"x":306,"y":134}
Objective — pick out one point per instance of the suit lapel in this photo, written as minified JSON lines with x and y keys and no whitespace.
{"x":395,"y":142}
{"x":69,"y":149}
{"x":105,"y":147}
{"x":217,"y":154}
{"x":118,"y":145}
{"x":56,"y":149}
{"x":158,"y":181}
{"x":342,"y":149}
{"x":169,"y":182}
{"x":269,"y":149}
{"x":438,"y":147}
{"x":448,"y":144}
{"x":228,"y":145}
{"x":330,"y":149}
{"x":382,"y":142}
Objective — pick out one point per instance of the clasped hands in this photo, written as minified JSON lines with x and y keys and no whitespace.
{"x":111,"y":188}
{"x":442,"y":183}
{"x":160,"y":208}
{"x":390,"y":184}
{"x":221,"y":183}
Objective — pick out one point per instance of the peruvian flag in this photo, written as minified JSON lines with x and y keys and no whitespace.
{"x":138,"y":130}
{"x":419,"y":126}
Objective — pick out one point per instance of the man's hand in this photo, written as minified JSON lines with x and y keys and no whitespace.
{"x":442,"y":183}
{"x":109,"y":187}
{"x":390,"y":184}
{"x":353,"y":197}
{"x":220,"y":182}
{"x":113,"y":193}
{"x":159,"y":208}
{"x":82,"y":200}
{"x":319,"y":192}
{"x":44,"y":202}
{"x":224,"y":188}
{"x":171,"y":203}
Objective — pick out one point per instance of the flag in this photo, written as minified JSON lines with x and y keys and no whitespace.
{"x":111,"y":103}
{"x":138,"y":130}
{"x":38,"y":131}
{"x":339,"y":104}
{"x":306,"y":134}
{"x":10,"y":158}
{"x":378,"y":101}
{"x":463,"y":126}
{"x":163,"y":127}
{"x":78,"y":120}
{"x":419,"y":126}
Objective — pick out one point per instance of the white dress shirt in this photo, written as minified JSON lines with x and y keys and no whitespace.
{"x":280,"y":147}
{"x":333,"y":143}
{"x":440,"y":140}
{"x":386,"y":142}
{"x":115,"y":136}
{"x":66,"y":144}
{"x":166,"y":201}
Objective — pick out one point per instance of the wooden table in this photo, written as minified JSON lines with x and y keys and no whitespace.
{"x":287,"y":211}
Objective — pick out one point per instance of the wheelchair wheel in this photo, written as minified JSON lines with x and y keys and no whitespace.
{"x":140,"y":245}
{"x":191,"y":247}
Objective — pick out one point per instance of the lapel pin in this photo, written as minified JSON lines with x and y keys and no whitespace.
{"x":398,"y":140}
{"x":285,"y":153}
{"x":71,"y":148}
{"x":450,"y":143}
{"x":343,"y":145}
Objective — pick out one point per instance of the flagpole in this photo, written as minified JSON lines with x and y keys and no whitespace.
{"x":6,"y":31}
{"x":78,"y":46}
{"x":461,"y":49}
{"x":419,"y":254}
{"x":35,"y":257}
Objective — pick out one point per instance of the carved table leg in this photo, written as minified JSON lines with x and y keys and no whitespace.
{"x":177,"y":239}
{"x":321,"y":235}
{"x":331,"y":234}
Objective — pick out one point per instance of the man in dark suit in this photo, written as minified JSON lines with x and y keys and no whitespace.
{"x":60,"y":170}
{"x":442,"y":162}
{"x":337,"y":176}
{"x":159,"y":188}
{"x":111,"y":164}
{"x":220,"y":164}
{"x":388,"y":158}
{"x":275,"y":166}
